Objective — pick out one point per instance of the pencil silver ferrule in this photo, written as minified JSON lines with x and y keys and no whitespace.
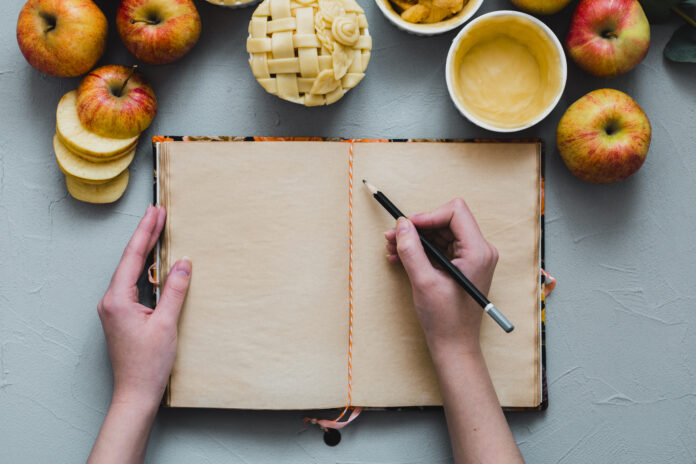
{"x":498,"y":317}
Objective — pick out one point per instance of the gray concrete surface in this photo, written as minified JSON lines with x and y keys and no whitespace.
{"x":621,"y":324}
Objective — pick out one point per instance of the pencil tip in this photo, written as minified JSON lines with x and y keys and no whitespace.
{"x":370,"y":187}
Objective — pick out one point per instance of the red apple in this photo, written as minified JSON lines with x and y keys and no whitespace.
{"x":158,"y":31}
{"x":608,"y":38}
{"x":63,"y":38}
{"x":604,"y":137}
{"x":116,"y":102}
{"x":545,"y":7}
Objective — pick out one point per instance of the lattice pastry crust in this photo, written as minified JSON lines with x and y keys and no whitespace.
{"x":309,"y":51}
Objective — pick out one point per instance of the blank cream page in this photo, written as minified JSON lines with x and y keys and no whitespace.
{"x":500,"y":183}
{"x":265,"y":224}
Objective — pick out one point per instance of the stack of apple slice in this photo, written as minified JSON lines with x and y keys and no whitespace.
{"x":97,"y":130}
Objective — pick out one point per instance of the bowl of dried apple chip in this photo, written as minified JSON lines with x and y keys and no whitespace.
{"x":428,"y":17}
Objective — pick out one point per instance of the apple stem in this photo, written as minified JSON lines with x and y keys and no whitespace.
{"x":120,"y":92}
{"x":684,"y":16}
{"x":148,"y":21}
{"x":49,"y":28}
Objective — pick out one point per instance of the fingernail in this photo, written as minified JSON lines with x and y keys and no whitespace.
{"x":183,"y":266}
{"x":402,"y":226}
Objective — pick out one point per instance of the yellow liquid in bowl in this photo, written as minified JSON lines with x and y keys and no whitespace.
{"x":506,"y":72}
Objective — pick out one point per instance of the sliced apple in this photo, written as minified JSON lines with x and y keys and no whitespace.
{"x":107,"y":192}
{"x":76,"y":137}
{"x":87,"y":181}
{"x":87,"y":171}
{"x":94,"y":159}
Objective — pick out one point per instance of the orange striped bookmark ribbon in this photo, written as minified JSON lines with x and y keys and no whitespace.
{"x":354,"y":412}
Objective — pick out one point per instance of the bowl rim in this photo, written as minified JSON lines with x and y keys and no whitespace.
{"x":236,"y":4}
{"x":429,"y":29}
{"x":457,"y":41}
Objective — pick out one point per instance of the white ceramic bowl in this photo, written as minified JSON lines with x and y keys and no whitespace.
{"x":235,"y":3}
{"x":543,"y":30}
{"x":429,"y":29}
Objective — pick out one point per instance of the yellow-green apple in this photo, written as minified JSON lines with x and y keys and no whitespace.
{"x":608,"y":38}
{"x":604,"y":137}
{"x":63,"y":38}
{"x":544,"y":7}
{"x":158,"y":31}
{"x":115,"y":101}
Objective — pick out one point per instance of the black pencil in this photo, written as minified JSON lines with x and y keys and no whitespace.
{"x":441,"y":259}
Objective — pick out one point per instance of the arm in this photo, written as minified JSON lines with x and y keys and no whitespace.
{"x":142,"y":346}
{"x":124,"y":433}
{"x":451,"y":321}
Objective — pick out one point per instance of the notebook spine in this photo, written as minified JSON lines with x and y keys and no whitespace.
{"x":161,"y":197}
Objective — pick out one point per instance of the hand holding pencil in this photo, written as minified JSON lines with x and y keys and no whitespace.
{"x":449,"y":316}
{"x":451,"y":320}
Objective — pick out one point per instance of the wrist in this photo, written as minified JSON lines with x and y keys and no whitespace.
{"x":460,"y":342}
{"x":123,"y":436}
{"x":447,"y":353}
{"x":135,"y":400}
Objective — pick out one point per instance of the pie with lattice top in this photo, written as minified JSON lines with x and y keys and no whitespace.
{"x":309,"y":51}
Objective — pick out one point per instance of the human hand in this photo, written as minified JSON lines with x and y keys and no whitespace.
{"x":142,"y":341}
{"x":449,"y":316}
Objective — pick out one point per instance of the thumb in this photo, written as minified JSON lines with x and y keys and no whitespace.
{"x":174,"y":291}
{"x":411,"y":253}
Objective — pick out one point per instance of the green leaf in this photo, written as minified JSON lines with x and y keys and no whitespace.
{"x":658,"y":10}
{"x":682,"y":46}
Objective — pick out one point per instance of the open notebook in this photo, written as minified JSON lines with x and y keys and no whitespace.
{"x":266,"y":224}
